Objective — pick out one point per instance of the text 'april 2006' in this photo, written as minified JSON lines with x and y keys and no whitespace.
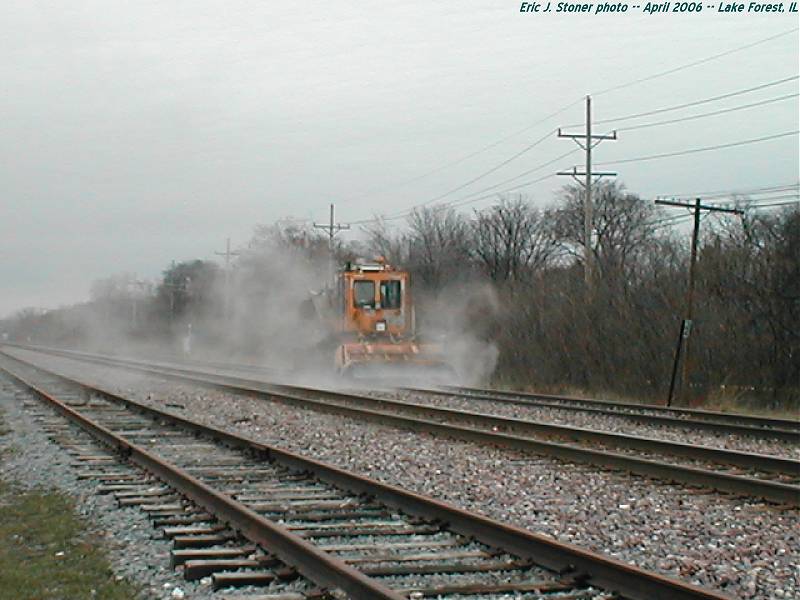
{"x":657,"y":7}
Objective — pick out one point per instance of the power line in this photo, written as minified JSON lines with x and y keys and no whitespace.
{"x":501,"y":192}
{"x":695,"y":150}
{"x":468,"y":199}
{"x":697,"y":62}
{"x":757,"y":203}
{"x":694,"y":103}
{"x":624,"y":85}
{"x":670,"y":221}
{"x":761,"y":203}
{"x":709,"y":114}
{"x":641,"y":126}
{"x":571,"y":104}
{"x":563,"y":109}
{"x":724,"y":193}
{"x":458,"y":203}
{"x":466,"y":157}
{"x":761,"y":200}
{"x":492,"y":170}
{"x":521,"y":175}
{"x":768,"y":203}
{"x":777,"y":204}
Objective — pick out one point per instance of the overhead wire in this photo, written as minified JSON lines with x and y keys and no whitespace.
{"x":724,"y":193}
{"x":551,"y":115}
{"x":479,"y":151}
{"x":696,"y":150}
{"x":467,"y":199}
{"x":777,"y":204}
{"x":521,"y":175}
{"x":746,"y":203}
{"x":490,"y":171}
{"x":709,"y":114}
{"x":761,"y":204}
{"x":696,"y":63}
{"x":693,"y":103}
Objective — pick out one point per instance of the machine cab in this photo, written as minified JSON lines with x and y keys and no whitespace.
{"x":374,"y":300}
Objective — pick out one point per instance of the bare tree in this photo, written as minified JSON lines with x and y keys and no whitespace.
{"x":382,"y":241}
{"x":511,"y":238}
{"x":623,"y":226}
{"x":750,"y":277}
{"x":438,"y":242}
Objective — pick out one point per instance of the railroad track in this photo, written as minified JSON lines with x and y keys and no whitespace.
{"x":649,"y":414}
{"x":748,"y":474}
{"x":246,"y":513}
{"x":699,"y":420}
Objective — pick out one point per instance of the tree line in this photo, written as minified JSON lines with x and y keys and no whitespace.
{"x":513,"y":274}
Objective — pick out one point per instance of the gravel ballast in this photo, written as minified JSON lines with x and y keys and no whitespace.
{"x":744,"y":548}
{"x":35,"y":462}
{"x":32,"y":461}
{"x":600,"y":422}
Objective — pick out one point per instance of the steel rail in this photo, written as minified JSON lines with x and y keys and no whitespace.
{"x":697,"y":420}
{"x":317,"y":565}
{"x":745,"y":460}
{"x":773,"y":491}
{"x":693,"y":415}
{"x":602,"y":572}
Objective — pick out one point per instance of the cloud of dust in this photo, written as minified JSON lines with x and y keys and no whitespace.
{"x":261,"y":313}
{"x":462,"y":317}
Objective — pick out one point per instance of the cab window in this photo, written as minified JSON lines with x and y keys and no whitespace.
{"x":364,"y":294}
{"x":390,"y":294}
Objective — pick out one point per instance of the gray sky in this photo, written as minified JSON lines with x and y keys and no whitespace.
{"x":132,"y":134}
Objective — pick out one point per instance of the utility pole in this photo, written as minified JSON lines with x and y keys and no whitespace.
{"x":332,"y":228}
{"x":132,"y":284}
{"x":587,"y":141}
{"x":172,"y":286}
{"x":227,"y":254}
{"x":686,"y":323}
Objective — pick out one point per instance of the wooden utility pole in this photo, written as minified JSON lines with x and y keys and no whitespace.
{"x":687,"y":322}
{"x":227,"y":254}
{"x":587,"y":144}
{"x":332,"y":228}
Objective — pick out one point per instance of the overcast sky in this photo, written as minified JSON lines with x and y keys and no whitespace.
{"x":134,"y":133}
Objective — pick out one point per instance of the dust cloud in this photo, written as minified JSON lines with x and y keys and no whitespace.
{"x":261,"y":314}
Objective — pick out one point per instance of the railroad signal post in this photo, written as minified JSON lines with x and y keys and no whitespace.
{"x":587,"y":141}
{"x":686,"y":323}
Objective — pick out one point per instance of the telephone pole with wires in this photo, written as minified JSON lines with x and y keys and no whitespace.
{"x":332,"y":228}
{"x":686,"y":323}
{"x":227,"y":254}
{"x":587,"y":142}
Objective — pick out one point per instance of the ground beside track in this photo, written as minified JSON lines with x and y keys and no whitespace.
{"x":42,"y":479}
{"x":45,"y":553}
{"x":45,"y":548}
{"x":744,"y":548}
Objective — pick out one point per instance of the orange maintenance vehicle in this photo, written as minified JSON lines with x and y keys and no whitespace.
{"x":369,"y":314}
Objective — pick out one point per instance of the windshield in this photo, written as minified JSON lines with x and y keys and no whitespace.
{"x":364,"y":293}
{"x":390,"y":294}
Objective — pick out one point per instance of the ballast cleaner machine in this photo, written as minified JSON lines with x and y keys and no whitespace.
{"x":371,"y":321}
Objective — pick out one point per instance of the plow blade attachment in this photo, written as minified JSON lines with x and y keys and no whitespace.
{"x":392,"y":358}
